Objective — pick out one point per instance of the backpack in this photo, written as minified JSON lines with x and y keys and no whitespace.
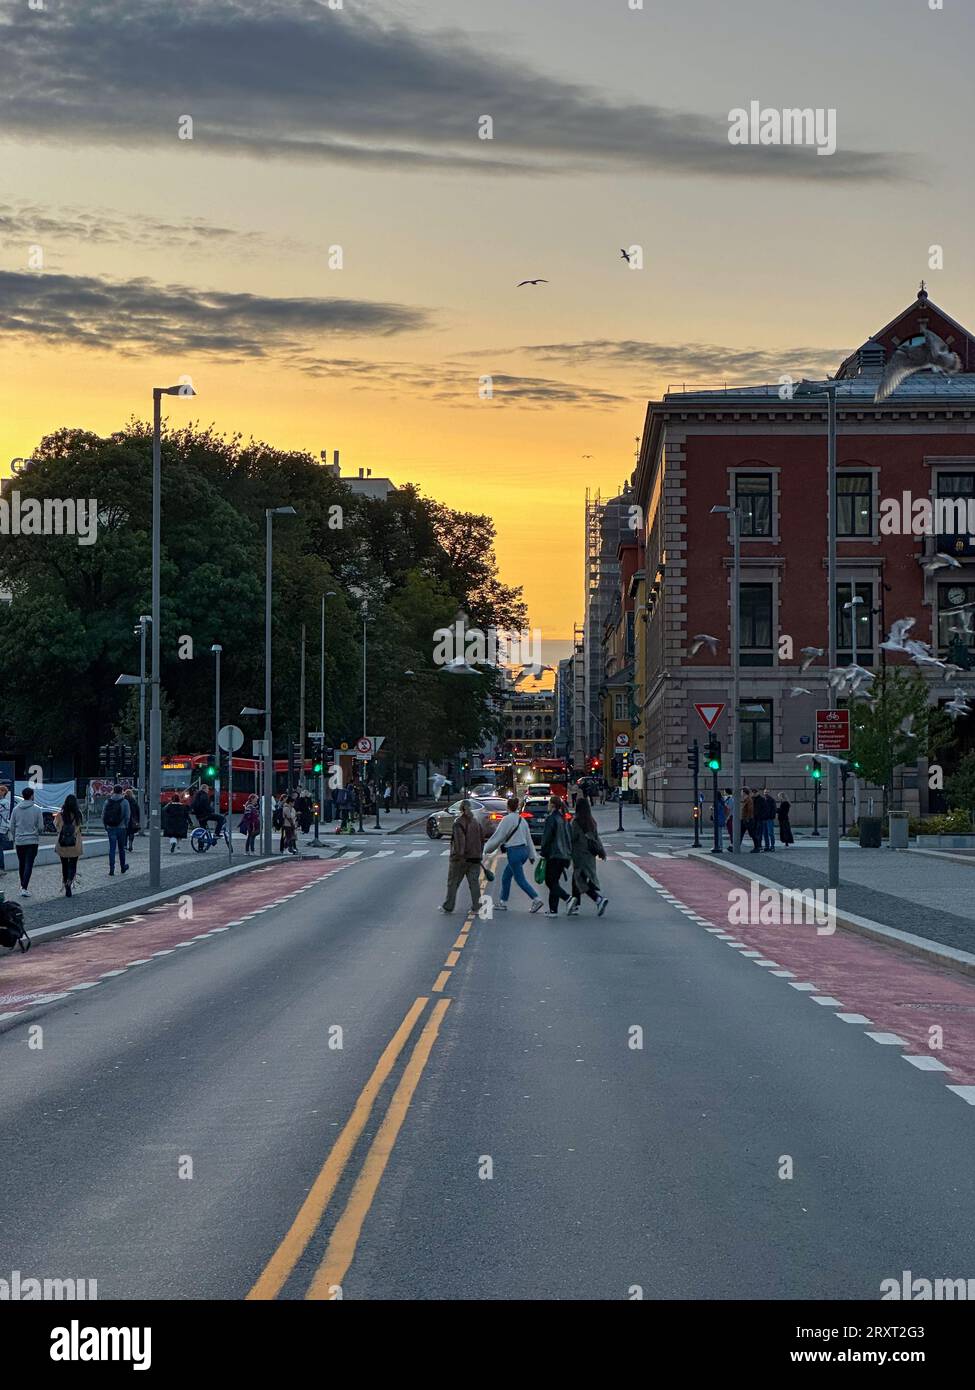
{"x":66,"y":836}
{"x":12,"y":931}
{"x":277,"y":819}
{"x":113,"y":814}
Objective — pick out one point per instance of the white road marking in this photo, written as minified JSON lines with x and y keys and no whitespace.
{"x":827,"y":1000}
{"x":855,"y":1018}
{"x":641,"y":873}
{"x":888,"y":1039}
{"x":772,"y":964}
{"x":783,"y":974}
{"x":967,"y":1093}
{"x":109,"y":973}
{"x":795,"y":985}
{"x":925,"y":1063}
{"x":89,"y":984}
{"x":417,"y":853}
{"x":384,"y":854}
{"x":655,"y":854}
{"x":751,"y":954}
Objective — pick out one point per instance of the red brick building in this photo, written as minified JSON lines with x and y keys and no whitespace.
{"x":757,"y":448}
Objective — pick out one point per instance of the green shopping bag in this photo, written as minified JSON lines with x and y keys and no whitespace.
{"x":540,"y":870}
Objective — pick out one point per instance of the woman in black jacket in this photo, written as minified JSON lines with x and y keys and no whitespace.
{"x":556,"y":850}
{"x":175,"y":821}
{"x":786,"y":836}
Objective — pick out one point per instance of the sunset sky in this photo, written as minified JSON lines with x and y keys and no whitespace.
{"x":358,"y":127}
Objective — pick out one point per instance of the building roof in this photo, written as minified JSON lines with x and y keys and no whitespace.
{"x":857,"y":375}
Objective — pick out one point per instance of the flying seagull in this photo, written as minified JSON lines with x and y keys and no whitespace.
{"x":810,"y":654}
{"x":958,"y":706}
{"x":625,"y":255}
{"x":939,"y":561}
{"x":824,"y":758}
{"x":701,"y":639}
{"x":898,"y":635}
{"x":926,"y":350}
{"x":906,"y":725}
{"x":798,"y":690}
{"x":531,"y":282}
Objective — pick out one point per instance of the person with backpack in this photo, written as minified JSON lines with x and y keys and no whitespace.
{"x":175,"y":821}
{"x":115,"y":819}
{"x":556,"y":850}
{"x":135,"y":818}
{"x":69,"y":847}
{"x":586,"y":848}
{"x":250,"y":822}
{"x":513,"y":838}
{"x":26,"y":828}
{"x":403,"y":797}
{"x":466,"y":852}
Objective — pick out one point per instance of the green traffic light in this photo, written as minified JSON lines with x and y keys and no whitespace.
{"x":817,"y":773}
{"x":714,"y":764}
{"x":211,"y":772}
{"x":317,"y":768}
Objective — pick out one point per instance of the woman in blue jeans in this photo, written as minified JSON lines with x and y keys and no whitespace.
{"x":514,"y":837}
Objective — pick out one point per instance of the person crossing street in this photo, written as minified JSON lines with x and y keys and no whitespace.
{"x":466,"y":852}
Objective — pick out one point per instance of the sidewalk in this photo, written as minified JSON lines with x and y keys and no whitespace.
{"x":96,"y":892}
{"x":917,"y":893}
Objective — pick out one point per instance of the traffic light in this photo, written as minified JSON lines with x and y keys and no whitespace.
{"x":211,"y":765}
{"x":694,"y":759}
{"x":714,"y":755}
{"x":103,"y":758}
{"x":816,"y":771}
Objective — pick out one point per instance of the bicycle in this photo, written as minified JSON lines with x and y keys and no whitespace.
{"x":203,"y":838}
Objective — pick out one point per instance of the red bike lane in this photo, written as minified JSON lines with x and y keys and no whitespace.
{"x":880,"y":988}
{"x":55,"y":969}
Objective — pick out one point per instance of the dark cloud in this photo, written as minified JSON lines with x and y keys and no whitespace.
{"x":296,"y":79}
{"x":29,"y":222}
{"x":694,"y":362}
{"x":455,"y":385}
{"x":139,"y":316}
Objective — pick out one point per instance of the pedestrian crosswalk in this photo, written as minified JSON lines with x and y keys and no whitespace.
{"x":402,"y":851}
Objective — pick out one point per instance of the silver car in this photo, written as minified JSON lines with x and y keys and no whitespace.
{"x":488,"y":810}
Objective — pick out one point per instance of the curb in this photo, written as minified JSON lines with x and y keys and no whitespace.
{"x":55,"y":930}
{"x":933,"y":952}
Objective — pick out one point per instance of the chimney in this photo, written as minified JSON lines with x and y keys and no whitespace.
{"x":362,"y":472}
{"x":335,"y":458}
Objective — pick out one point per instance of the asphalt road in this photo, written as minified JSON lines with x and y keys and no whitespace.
{"x":197,"y":1128}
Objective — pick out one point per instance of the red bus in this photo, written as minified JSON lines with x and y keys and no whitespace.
{"x":554,"y":771}
{"x":184,"y":773}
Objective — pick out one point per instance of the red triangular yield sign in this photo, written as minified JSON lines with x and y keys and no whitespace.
{"x":710,"y":714}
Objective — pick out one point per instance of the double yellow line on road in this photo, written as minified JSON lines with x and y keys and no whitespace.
{"x":342,"y":1245}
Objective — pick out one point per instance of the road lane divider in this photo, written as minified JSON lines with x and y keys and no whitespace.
{"x":279,"y":1268}
{"x":440,"y":981}
{"x":341,"y":1248}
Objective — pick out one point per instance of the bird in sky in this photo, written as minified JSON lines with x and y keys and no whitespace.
{"x":531,"y":282}
{"x":898,"y":635}
{"x":906,"y":725}
{"x":810,"y":654}
{"x":702,"y":639}
{"x":939,"y":561}
{"x":958,"y":707}
{"x":798,"y":690}
{"x":926,"y":351}
{"x":825,"y":758}
{"x":625,"y":255}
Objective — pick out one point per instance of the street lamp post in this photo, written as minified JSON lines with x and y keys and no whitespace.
{"x":155,"y":710}
{"x":829,"y":389}
{"x":269,"y":514}
{"x":734,"y":516}
{"x":324,"y":775}
{"x":217,"y":649}
{"x":144,"y":620}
